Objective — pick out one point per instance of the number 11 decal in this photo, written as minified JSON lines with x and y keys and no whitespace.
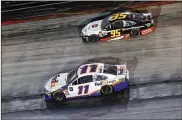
{"x":80,"y":89}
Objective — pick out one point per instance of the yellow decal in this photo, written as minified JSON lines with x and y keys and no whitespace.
{"x":115,"y":33}
{"x":104,"y":82}
{"x":118,"y":16}
{"x":122,"y":79}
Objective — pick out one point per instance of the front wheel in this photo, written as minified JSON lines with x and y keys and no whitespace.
{"x":58,"y":96}
{"x":93,"y":38}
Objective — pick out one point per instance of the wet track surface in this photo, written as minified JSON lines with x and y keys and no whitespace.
{"x":165,"y":108}
{"x":31,"y":54}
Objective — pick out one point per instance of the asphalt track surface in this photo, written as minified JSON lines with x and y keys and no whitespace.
{"x":32,"y":52}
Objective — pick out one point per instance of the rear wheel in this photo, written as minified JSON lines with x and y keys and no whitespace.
{"x":135,"y":33}
{"x":107,"y":90}
{"x":115,"y":97}
{"x":107,"y":93}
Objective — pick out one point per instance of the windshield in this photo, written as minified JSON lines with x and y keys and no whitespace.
{"x":110,"y":69}
{"x":105,"y":22}
{"x":72,"y":75}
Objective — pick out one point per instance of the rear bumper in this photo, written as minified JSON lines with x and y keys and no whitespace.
{"x":121,"y":85}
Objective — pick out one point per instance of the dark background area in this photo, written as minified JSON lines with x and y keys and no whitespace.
{"x":18,"y":10}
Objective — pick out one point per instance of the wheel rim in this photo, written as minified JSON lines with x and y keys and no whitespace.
{"x":106,"y":90}
{"x":58,"y":96}
{"x":135,"y":33}
{"x":93,"y":38}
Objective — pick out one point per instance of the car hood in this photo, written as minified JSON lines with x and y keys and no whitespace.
{"x":93,"y":26}
{"x":60,"y":81}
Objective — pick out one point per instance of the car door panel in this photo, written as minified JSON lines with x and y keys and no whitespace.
{"x":83,"y":86}
{"x":81,"y":89}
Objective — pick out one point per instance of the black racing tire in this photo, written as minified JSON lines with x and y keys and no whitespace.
{"x":93,"y":38}
{"x":59,"y":99}
{"x":107,"y":90}
{"x":107,"y":97}
{"x":58,"y":96}
{"x":135,"y":33}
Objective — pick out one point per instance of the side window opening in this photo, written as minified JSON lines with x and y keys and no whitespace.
{"x":129,"y":23}
{"x":84,"y":79}
{"x":117,"y":24}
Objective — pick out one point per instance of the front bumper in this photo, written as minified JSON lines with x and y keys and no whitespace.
{"x":84,"y":37}
{"x":47,"y":96}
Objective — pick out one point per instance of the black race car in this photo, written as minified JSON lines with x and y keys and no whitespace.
{"x":118,"y":25}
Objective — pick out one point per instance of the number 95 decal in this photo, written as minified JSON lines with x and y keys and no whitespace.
{"x":117,"y":16}
{"x":115,"y":33}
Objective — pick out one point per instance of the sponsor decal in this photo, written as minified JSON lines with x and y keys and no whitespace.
{"x":71,"y":88}
{"x":147,"y":31}
{"x":121,"y":70}
{"x":54,"y":81}
{"x":148,"y":24}
{"x":113,"y":81}
{"x":124,"y":29}
{"x":104,"y":33}
{"x":100,"y":34}
{"x":95,"y":25}
{"x":66,"y":92}
{"x":122,"y":79}
{"x":127,"y":36}
{"x":104,"y":82}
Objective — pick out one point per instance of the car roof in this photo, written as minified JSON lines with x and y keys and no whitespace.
{"x":90,"y":69}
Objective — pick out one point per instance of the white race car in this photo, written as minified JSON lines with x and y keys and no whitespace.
{"x":96,"y":79}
